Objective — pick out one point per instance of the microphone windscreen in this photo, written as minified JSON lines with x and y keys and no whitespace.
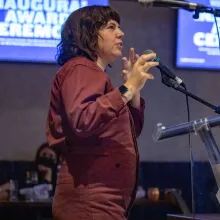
{"x":148,"y":51}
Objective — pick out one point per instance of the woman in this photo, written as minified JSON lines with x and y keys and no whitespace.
{"x":46,"y":164}
{"x":92,"y":125}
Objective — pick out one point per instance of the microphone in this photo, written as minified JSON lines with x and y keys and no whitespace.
{"x":164,"y":69}
{"x":174,"y":4}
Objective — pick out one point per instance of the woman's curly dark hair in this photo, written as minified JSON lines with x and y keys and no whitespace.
{"x":79,"y":34}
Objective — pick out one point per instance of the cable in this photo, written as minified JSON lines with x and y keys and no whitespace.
{"x":216,"y":23}
{"x":191,"y":158}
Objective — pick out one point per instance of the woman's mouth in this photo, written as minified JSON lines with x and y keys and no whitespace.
{"x":120,"y":44}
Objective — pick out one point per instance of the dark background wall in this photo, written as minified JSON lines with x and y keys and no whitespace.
{"x":24,"y":92}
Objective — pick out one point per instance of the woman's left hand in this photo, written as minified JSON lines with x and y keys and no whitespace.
{"x":127,"y":64}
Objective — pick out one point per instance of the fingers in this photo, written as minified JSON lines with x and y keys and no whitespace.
{"x":124,"y":72}
{"x":149,"y":76}
{"x":149,"y":65}
{"x":131,"y":55}
{"x":146,"y":67}
{"x":144,"y":58}
{"x":125,"y":62}
{"x":136,"y":57}
{"x":131,"y":59}
{"x":124,"y":59}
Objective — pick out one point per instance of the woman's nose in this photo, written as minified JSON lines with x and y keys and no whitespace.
{"x":120,"y":34}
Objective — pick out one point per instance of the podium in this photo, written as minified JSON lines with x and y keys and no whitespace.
{"x":203,"y":128}
{"x":197,"y":217}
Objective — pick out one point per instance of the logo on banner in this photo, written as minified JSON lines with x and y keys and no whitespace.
{"x":34,"y":19}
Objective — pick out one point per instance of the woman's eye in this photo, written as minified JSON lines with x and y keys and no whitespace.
{"x":111,"y":27}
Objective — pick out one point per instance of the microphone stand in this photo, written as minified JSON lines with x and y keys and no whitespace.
{"x":188,"y":6}
{"x":173,"y":84}
{"x":209,"y":10}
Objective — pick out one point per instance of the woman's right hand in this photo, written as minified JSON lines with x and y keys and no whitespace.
{"x":139,"y":74}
